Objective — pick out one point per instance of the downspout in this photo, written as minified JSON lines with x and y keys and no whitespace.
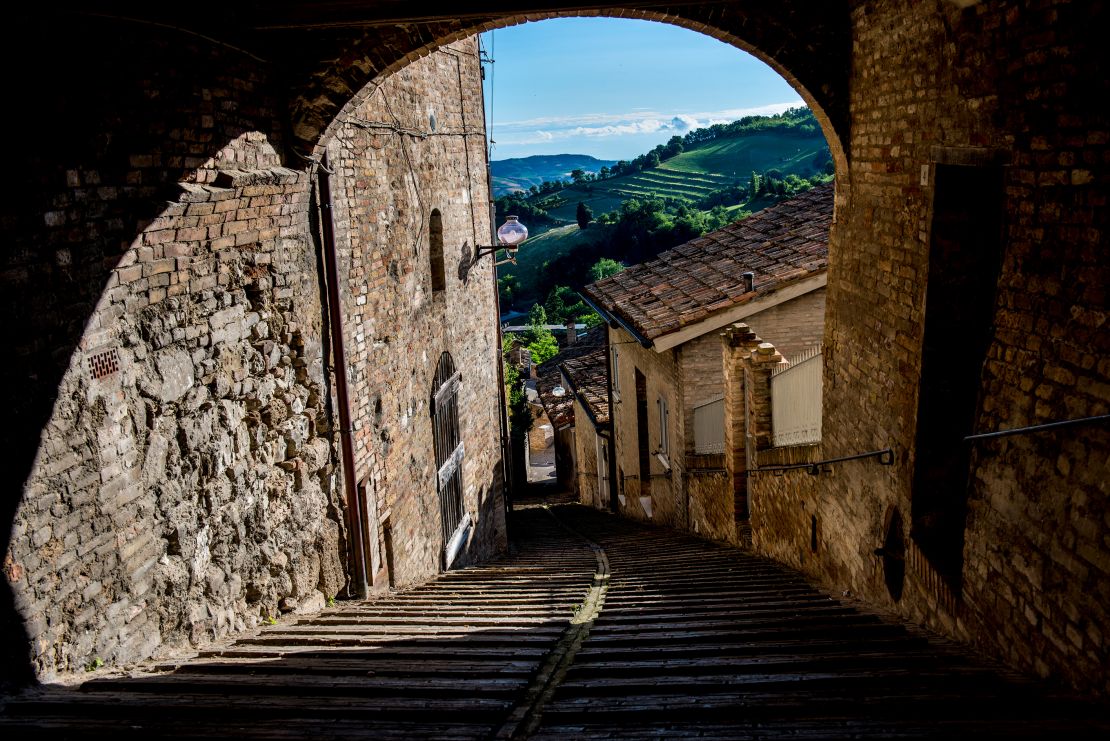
{"x":346,"y":444}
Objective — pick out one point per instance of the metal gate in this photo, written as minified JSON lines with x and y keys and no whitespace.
{"x":796,"y":400}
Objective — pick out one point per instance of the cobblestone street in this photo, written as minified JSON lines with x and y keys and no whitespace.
{"x":594,"y":627}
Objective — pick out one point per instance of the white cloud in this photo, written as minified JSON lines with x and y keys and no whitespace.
{"x":637,"y":121}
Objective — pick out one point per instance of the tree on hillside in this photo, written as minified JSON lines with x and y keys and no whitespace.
{"x":584,"y":215}
{"x":605,"y":267}
{"x":508,"y":287}
{"x":538,"y":338}
{"x":577,"y":175}
{"x":674,"y":147}
{"x":563,"y":304}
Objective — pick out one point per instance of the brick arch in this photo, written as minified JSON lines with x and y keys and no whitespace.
{"x":810,"y":48}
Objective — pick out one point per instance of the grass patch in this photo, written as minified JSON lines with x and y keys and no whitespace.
{"x":541,"y":248}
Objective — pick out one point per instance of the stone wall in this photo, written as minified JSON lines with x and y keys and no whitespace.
{"x":184,"y":482}
{"x":413,"y":146}
{"x":166,"y":310}
{"x":162,"y":299}
{"x":108,"y":129}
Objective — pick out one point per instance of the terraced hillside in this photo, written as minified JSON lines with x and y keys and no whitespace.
{"x":696,"y":173}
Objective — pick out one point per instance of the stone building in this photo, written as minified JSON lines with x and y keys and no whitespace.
{"x":162,"y":189}
{"x":419,"y":317}
{"x":563,"y":408}
{"x":189,"y":479}
{"x":587,"y":382}
{"x":665,"y":317}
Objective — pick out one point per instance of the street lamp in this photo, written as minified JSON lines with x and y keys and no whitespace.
{"x":509,"y":235}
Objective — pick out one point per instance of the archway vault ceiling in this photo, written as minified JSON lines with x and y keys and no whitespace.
{"x":329,"y":51}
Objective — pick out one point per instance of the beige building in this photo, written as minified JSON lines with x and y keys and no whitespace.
{"x":667,"y":358}
{"x":573,"y":389}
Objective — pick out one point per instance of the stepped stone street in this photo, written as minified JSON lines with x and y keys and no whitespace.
{"x":592,"y":627}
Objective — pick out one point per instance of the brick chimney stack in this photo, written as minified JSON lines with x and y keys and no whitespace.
{"x":572,"y":332}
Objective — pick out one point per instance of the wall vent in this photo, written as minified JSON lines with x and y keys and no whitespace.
{"x":104,"y":364}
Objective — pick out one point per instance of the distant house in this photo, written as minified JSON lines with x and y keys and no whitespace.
{"x":676,"y":461}
{"x":561,"y":406}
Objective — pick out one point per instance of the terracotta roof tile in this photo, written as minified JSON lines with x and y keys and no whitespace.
{"x":588,"y":374}
{"x":782,"y":244}
{"x":560,"y":409}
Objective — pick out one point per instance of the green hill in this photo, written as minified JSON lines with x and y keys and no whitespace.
{"x":540,"y":249}
{"x":696,"y":173}
{"x":521,"y":173}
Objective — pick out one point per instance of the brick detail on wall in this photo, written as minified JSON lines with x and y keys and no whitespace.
{"x":391,"y":171}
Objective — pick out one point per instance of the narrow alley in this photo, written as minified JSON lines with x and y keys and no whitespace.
{"x":594,"y":627}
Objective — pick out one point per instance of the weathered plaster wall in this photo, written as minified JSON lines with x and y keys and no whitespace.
{"x":660,"y":498}
{"x":585,"y":453}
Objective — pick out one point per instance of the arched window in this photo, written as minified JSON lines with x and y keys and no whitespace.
{"x":435,"y":251}
{"x":449,"y":456}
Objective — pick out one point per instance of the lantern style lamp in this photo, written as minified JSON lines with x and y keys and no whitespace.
{"x":509,"y":235}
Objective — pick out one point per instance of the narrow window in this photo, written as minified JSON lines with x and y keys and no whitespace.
{"x":435,"y":251}
{"x":616,"y":374}
{"x":449,"y":455}
{"x":642,"y":432}
{"x":664,"y":437}
{"x":602,"y":473}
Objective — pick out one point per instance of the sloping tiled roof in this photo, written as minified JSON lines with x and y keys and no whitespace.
{"x":781,"y":244}
{"x":560,"y":409}
{"x":589,"y":376}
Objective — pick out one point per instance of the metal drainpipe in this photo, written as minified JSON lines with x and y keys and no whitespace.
{"x":346,"y":445}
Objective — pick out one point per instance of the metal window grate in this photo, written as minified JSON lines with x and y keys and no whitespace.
{"x":104,"y":364}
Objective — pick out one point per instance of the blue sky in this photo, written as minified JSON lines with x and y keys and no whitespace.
{"x":614,"y":88}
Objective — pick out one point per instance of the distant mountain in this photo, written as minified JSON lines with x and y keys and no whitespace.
{"x":521,"y":173}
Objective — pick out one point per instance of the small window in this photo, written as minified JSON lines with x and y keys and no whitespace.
{"x":664,"y":416}
{"x":435,"y":251}
{"x":616,"y":373}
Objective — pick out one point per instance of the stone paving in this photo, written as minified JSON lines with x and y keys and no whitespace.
{"x":593,"y":627}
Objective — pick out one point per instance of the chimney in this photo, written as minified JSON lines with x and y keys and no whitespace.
{"x":572,"y":332}
{"x":748,"y":280}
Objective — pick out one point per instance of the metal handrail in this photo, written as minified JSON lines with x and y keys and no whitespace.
{"x":885,"y":456}
{"x":1038,"y":428}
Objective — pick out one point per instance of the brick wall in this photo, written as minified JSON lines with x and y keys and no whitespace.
{"x":900,"y":87}
{"x":1000,"y":83}
{"x":185,"y":495}
{"x":794,"y":325}
{"x":397,"y":324}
